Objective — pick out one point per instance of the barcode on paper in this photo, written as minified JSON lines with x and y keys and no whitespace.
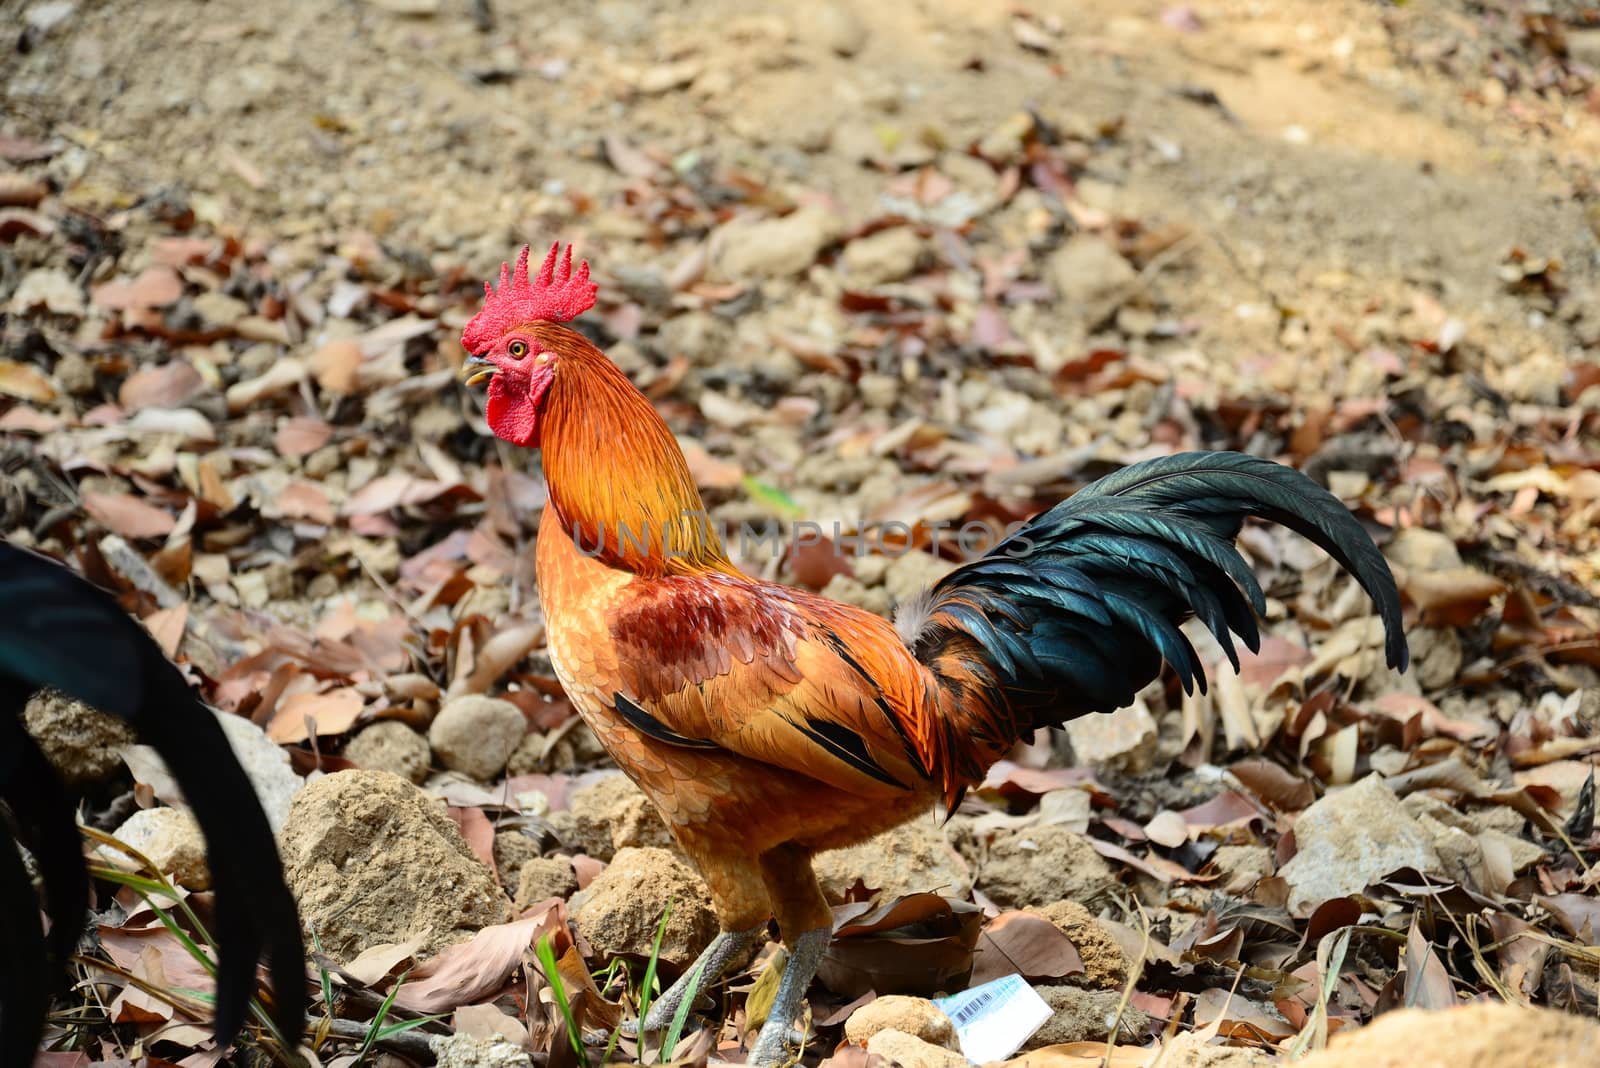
{"x":995,"y":1019}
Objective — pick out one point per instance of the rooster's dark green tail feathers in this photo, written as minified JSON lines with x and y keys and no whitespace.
{"x":1077,"y":610}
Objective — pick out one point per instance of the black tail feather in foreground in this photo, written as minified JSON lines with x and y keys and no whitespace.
{"x":59,"y":632}
{"x":1077,"y":611}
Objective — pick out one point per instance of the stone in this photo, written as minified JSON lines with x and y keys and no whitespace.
{"x":749,"y":248}
{"x":912,"y":572}
{"x":886,"y":256}
{"x":909,"y":1051}
{"x":1085,"y":1016}
{"x":1104,"y":963}
{"x":476,"y":735}
{"x":620,"y":912}
{"x":1039,"y":866}
{"x":219,"y":309}
{"x":911,"y":858}
{"x":835,"y":27}
{"x":513,"y":849}
{"x":1350,"y":838}
{"x":172,"y":840}
{"x":461,"y":1050}
{"x":700,"y":337}
{"x":1481,"y":1034}
{"x":265,"y":764}
{"x":1125,"y":739}
{"x":543,"y":878}
{"x":576,"y":748}
{"x":609,"y":814}
{"x":917,"y":1017}
{"x":1090,"y":278}
{"x":50,"y":288}
{"x":1423,"y":550}
{"x":81,"y":743}
{"x":372,"y":859}
{"x":1242,"y":866}
{"x":390,"y":745}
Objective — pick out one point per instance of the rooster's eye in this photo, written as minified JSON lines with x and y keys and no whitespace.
{"x":519,"y":349}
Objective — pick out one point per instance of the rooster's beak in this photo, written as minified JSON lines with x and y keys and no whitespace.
{"x":477,"y":369}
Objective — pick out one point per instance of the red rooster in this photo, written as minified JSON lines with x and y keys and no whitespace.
{"x":768,"y":723}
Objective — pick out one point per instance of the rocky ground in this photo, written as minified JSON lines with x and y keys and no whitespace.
{"x":913,"y":263}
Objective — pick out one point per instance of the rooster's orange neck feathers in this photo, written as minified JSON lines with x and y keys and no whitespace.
{"x":618,"y":480}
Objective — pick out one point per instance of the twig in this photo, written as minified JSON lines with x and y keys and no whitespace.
{"x":406,"y":1043}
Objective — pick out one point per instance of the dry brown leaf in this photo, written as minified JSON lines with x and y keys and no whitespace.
{"x":130,"y":516}
{"x":1085,"y":1055}
{"x":302,"y":500}
{"x":333,"y":712}
{"x":25,"y":381}
{"x":166,"y":626}
{"x":168,"y":386}
{"x":1236,"y":1015}
{"x":375,"y":963}
{"x":487,"y":1021}
{"x":477,"y":968}
{"x":156,"y":287}
{"x":301,"y":436}
{"x":1020,"y":943}
{"x":336,"y":365}
{"x":1428,"y":985}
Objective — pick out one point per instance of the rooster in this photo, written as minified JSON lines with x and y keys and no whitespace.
{"x":62,"y":633}
{"x":768,"y":723}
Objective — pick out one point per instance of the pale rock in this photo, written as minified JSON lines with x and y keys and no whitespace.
{"x":461,"y":1050}
{"x":1090,"y":277}
{"x":476,"y":735}
{"x":1351,"y":838}
{"x":1480,"y":1034}
{"x":852,"y":590}
{"x":1038,"y":866}
{"x":1242,"y":866}
{"x":372,"y":859}
{"x":701,"y":337}
{"x":1085,"y":1016}
{"x":219,"y":309}
{"x":82,"y":744}
{"x":265,"y":764}
{"x":909,"y":1051}
{"x":172,"y":840}
{"x":911,"y":858}
{"x":390,"y":745}
{"x":750,"y":248}
{"x":50,"y":288}
{"x":834,"y":26}
{"x":912,"y":572}
{"x":542,"y":878}
{"x":1566,"y":777}
{"x":1105,"y":965}
{"x":886,"y":256}
{"x":620,"y":912}
{"x":1423,"y":550}
{"x":917,"y":1017}
{"x":608,"y":815}
{"x":1125,"y":738}
{"x":512,"y":849}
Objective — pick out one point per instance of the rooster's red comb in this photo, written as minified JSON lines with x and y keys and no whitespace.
{"x":556,"y":294}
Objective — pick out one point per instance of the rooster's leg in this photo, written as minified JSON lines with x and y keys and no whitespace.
{"x":806,"y":923}
{"x":781,"y":1034}
{"x":707,"y":968}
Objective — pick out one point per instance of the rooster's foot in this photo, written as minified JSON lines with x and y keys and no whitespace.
{"x":707,"y":968}
{"x":780,"y":1037}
